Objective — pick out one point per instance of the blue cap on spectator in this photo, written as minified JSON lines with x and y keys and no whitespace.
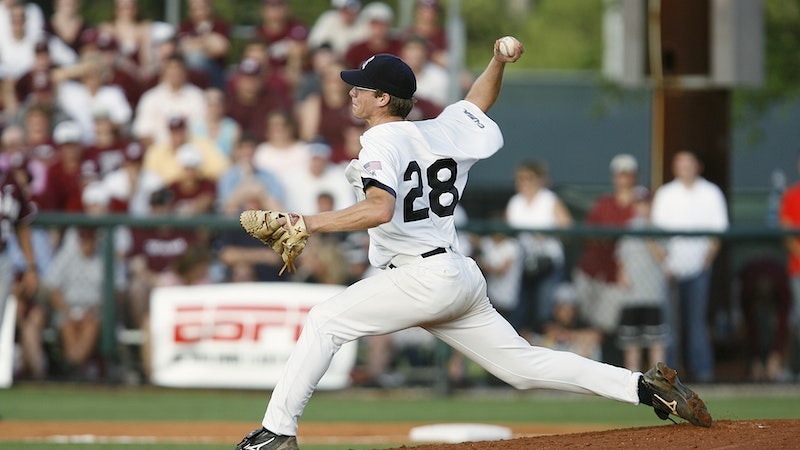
{"x":386,"y":73}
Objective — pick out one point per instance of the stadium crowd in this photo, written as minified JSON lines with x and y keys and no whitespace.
{"x":140,"y":117}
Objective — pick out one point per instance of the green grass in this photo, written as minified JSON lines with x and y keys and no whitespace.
{"x":64,"y":403}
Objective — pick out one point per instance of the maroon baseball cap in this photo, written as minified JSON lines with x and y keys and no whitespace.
{"x":386,"y":73}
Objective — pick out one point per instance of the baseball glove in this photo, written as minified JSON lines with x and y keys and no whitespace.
{"x":288,"y":241}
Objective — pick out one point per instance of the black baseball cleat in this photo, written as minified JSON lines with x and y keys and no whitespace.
{"x":263,"y":439}
{"x":667,"y":395}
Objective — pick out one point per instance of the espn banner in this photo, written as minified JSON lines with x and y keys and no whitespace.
{"x":236,"y":335}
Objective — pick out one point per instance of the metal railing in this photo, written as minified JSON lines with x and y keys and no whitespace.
{"x":741,"y":243}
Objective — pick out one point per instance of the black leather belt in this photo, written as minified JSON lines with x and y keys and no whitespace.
{"x":434,"y":252}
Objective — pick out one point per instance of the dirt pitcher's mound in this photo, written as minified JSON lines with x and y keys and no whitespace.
{"x":748,"y":434}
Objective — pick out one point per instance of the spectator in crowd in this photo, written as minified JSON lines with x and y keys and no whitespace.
{"x":428,"y":25}
{"x":101,"y":45}
{"x":16,"y":215}
{"x":30,"y":174}
{"x":65,"y":177}
{"x":131,"y":186}
{"x":252,"y":99}
{"x":18,"y":41}
{"x":326,"y":115}
{"x":243,"y":258}
{"x":379,"y":17}
{"x":311,"y":79}
{"x":80,"y":98}
{"x":152,"y":252}
{"x":595,"y":276}
{"x":32,"y":16}
{"x":642,"y":323}
{"x":433,"y":81}
{"x":204,"y":40}
{"x":565,"y":331}
{"x":192,"y":192}
{"x":162,"y":160}
{"x":273,"y":79}
{"x":766,"y":300}
{"x":75,"y":283}
{"x":320,"y":177}
{"x":282,"y":149}
{"x":535,"y":206}
{"x":108,"y":150}
{"x":286,"y":39}
{"x":216,"y":126}
{"x":41,"y":147}
{"x":244,"y":180}
{"x":36,"y":80}
{"x":131,"y":33}
{"x":165,"y":49}
{"x":500,"y":258}
{"x":173,"y":96}
{"x":790,"y":219}
{"x":691,"y":203}
{"x":66,"y":23}
{"x":340,"y":27}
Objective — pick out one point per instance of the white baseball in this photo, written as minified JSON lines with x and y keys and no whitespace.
{"x":508,"y":46}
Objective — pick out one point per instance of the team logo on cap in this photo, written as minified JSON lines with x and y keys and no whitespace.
{"x":364,"y":64}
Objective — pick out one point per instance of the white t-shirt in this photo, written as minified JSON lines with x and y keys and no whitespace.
{"x":424,"y":166}
{"x":502,"y":288}
{"x":161,"y":103}
{"x":286,"y":164}
{"x":540,"y":213}
{"x":78,"y":102}
{"x":308,"y":188}
{"x":330,"y":28}
{"x":700,"y":207}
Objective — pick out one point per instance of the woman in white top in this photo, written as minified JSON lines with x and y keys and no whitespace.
{"x":283,"y":153}
{"x":534,"y":206}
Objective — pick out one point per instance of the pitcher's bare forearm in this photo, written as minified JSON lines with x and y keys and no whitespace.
{"x":376,"y":209}
{"x":486,"y":88}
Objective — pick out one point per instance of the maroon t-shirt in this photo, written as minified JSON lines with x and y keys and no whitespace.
{"x":64,"y":189}
{"x":182,"y":194}
{"x":161,"y":246}
{"x":108,"y":158}
{"x":15,"y":207}
{"x":598,"y":259}
{"x":275,"y":96}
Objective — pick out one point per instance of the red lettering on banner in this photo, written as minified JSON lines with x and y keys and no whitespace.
{"x":234,"y":323}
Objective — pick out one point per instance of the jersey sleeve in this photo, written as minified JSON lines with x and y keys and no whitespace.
{"x":378,"y":166}
{"x":463,"y":130}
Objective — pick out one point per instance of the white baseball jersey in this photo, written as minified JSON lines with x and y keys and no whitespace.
{"x":424,"y":165}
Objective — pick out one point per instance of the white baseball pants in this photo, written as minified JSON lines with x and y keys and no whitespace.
{"x":446,"y":295}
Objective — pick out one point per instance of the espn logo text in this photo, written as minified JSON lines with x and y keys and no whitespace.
{"x":235,"y":323}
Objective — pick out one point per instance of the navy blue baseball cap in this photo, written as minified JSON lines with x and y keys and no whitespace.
{"x":386,"y":73}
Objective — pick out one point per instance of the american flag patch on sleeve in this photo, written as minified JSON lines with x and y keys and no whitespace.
{"x":372,"y":166}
